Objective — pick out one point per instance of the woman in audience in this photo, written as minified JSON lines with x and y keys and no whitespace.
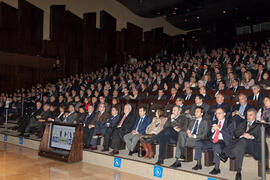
{"x":265,"y":82}
{"x":153,"y":129}
{"x":192,"y":82}
{"x":247,"y":82}
{"x":263,"y":114}
{"x":115,"y":103}
{"x":207,"y":81}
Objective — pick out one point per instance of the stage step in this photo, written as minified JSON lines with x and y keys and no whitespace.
{"x":142,"y":167}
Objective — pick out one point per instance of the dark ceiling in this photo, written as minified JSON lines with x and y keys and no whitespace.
{"x":191,"y":14}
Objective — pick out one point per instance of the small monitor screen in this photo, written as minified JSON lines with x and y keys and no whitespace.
{"x":62,"y":136}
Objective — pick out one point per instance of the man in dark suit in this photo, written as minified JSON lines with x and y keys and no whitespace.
{"x":203,"y":93}
{"x":160,"y":96}
{"x":235,"y":87}
{"x":197,"y":130}
{"x":220,"y":137}
{"x":171,"y":99}
{"x":37,"y":122}
{"x":248,"y":138}
{"x":239,"y":111}
{"x":257,"y":96}
{"x":25,"y":121}
{"x":198,"y":103}
{"x":96,"y":124}
{"x":86,"y":128}
{"x":219,"y":104}
{"x":117,"y":133}
{"x":111,"y":121}
{"x":72,"y":115}
{"x":131,"y":139}
{"x":175,"y":124}
{"x":188,"y":95}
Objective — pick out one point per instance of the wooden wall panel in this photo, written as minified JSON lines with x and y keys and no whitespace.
{"x":8,"y":28}
{"x":30,"y":28}
{"x":108,"y":38}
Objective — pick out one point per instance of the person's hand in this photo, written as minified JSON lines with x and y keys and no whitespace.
{"x":215,"y":127}
{"x":263,"y":121}
{"x":41,"y":120}
{"x":91,"y":126}
{"x":38,"y":116}
{"x":172,"y":116}
{"x":50,"y":119}
{"x":234,"y":113}
{"x":190,"y":135}
{"x":134,"y":132}
{"x":177,"y":129}
{"x":247,"y":136}
{"x":187,"y":111}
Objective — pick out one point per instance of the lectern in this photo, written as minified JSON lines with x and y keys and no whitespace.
{"x":62,"y":142}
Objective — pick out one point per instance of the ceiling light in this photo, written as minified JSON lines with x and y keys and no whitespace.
{"x":158,"y":13}
{"x":224,"y":12}
{"x":175,"y":8}
{"x":174,"y":13}
{"x":198,"y":17}
{"x":185,"y":20}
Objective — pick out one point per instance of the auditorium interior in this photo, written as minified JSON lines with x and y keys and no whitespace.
{"x":134,"y":89}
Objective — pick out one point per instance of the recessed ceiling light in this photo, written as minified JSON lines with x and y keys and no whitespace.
{"x":198,"y":17}
{"x":248,"y":17}
{"x":224,"y":11}
{"x":175,"y":8}
{"x":185,"y":20}
{"x":174,"y":13}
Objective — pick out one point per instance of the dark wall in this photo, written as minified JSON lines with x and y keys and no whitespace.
{"x":30,"y":28}
{"x":75,"y":41}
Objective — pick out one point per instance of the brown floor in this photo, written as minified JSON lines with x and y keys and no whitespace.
{"x":24,"y":164}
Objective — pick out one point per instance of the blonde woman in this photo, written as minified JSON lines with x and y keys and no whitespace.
{"x":247,"y":82}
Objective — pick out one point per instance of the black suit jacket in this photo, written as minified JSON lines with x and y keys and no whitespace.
{"x":169,"y":101}
{"x":227,"y":131}
{"x":163,"y":98}
{"x":127,"y":124}
{"x":88,"y":118}
{"x":214,"y":107}
{"x":192,"y":97}
{"x":260,"y":99}
{"x":237,"y":108}
{"x":254,"y":130}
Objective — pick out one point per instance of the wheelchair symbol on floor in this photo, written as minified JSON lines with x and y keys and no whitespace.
{"x":158,"y":171}
{"x":117,"y":162}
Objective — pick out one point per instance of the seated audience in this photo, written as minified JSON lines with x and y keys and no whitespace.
{"x":117,"y":133}
{"x":197,"y":130}
{"x":175,"y":123}
{"x":220,"y":136}
{"x":248,"y":139}
{"x":131,"y":139}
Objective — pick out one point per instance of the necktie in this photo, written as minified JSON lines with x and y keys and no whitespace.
{"x":139,"y":124}
{"x":258,"y":77}
{"x":171,"y":98}
{"x":121,"y":122}
{"x":215,"y":139}
{"x":100,"y":114}
{"x":195,"y":129}
{"x":230,"y":84}
{"x":248,"y":126}
{"x":241,"y":110}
